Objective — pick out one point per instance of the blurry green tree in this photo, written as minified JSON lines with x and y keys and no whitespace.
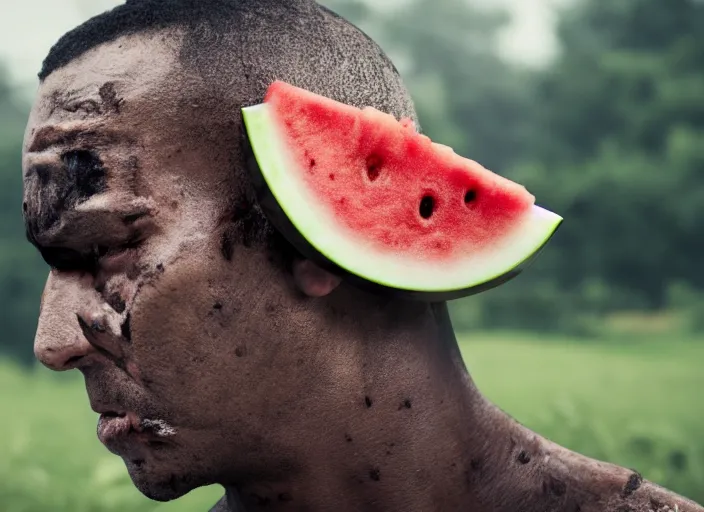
{"x":618,"y":149}
{"x":22,"y":271}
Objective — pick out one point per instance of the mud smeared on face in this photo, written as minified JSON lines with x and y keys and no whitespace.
{"x":108,"y":151}
{"x":133,"y":172}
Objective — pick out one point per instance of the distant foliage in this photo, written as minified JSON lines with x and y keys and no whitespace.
{"x":619,"y":151}
{"x":22,"y":271}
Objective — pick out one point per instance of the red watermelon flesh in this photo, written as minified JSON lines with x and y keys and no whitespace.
{"x":390,"y":185}
{"x":366,"y":195}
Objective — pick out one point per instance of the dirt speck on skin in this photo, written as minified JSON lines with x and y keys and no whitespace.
{"x":406,"y":404}
{"x":126,"y":329}
{"x":375,"y":474}
{"x":348,"y":438}
{"x":261,"y":501}
{"x":476,"y":464}
{"x":368,"y":402}
{"x":633,"y":484}
{"x":109,"y":96}
{"x":554,"y":486}
{"x":240,"y":352}
{"x":217,"y":305}
{"x":116,"y":302}
{"x":524,"y":457}
{"x":227,"y":243}
{"x":285,"y":497}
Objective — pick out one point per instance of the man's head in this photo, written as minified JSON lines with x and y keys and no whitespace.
{"x":169,"y":290}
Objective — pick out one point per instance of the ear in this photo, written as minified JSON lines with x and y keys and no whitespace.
{"x":313,"y":280}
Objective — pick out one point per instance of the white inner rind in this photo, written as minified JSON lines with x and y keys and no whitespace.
{"x":316,"y":223}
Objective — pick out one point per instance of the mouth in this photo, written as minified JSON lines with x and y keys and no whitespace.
{"x":123,"y":432}
{"x":113,"y":426}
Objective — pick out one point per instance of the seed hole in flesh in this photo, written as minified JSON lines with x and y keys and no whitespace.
{"x":427,"y":206}
{"x":312,"y":163}
{"x":470,"y":196}
{"x":373,"y":167}
{"x":332,"y":177}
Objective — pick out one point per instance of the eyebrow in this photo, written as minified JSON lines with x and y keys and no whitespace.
{"x":53,"y":135}
{"x":93,"y":100}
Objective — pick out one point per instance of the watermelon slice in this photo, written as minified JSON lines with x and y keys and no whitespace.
{"x":366,"y":195}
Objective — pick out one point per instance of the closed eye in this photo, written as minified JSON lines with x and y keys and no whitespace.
{"x":68,"y":260}
{"x":98,"y":257}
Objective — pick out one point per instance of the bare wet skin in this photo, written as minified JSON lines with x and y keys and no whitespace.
{"x":214,"y":362}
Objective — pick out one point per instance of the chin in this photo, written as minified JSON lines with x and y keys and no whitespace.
{"x":161,"y":482}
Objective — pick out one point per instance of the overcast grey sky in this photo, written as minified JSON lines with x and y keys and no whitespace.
{"x":28,"y":28}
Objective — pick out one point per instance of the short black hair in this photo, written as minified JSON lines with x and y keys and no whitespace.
{"x":135,"y":16}
{"x":257,"y":42}
{"x":220,"y":17}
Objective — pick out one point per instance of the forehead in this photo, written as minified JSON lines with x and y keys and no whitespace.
{"x":132,"y":69}
{"x":99,"y":140}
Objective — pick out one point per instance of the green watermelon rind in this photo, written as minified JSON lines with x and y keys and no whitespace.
{"x":314,"y":227}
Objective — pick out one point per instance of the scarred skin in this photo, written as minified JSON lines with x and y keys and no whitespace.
{"x":294,"y":390}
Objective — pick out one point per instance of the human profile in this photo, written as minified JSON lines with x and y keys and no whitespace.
{"x":215,"y":353}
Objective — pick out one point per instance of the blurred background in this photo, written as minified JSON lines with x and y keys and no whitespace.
{"x":597,"y":106}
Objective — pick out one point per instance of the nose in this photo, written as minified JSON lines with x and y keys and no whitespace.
{"x":59,"y":343}
{"x":61,"y":356}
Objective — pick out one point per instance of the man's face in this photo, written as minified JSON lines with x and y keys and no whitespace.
{"x":204,"y":348}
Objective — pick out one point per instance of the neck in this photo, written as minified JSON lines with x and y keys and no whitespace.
{"x":425,"y":439}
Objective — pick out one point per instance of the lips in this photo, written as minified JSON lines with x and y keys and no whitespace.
{"x":125,"y":434}
{"x":116,"y":426}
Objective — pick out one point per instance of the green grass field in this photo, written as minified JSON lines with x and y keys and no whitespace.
{"x":635,"y":404}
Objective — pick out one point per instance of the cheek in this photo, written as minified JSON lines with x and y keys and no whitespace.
{"x":178,"y":325}
{"x":203,"y":328}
